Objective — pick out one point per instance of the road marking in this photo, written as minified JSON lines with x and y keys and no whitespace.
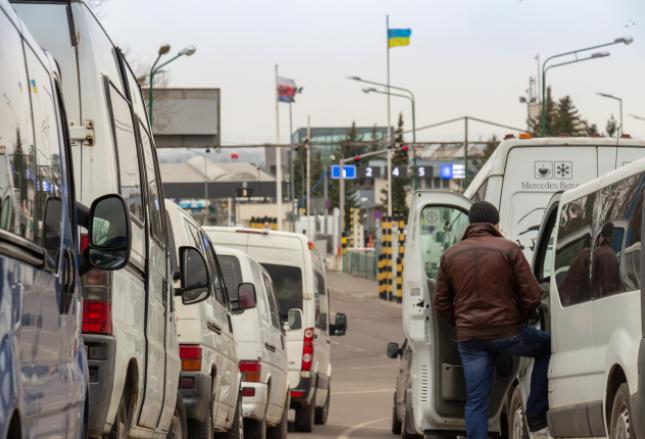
{"x":360,"y":392}
{"x":345,"y":434}
{"x":382,"y":366}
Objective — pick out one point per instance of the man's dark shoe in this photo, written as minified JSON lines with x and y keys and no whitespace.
{"x":537,"y":424}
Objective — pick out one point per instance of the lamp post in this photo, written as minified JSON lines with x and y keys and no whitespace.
{"x":620,"y":107}
{"x":635,"y":116}
{"x":163,"y":50}
{"x":576,"y":54}
{"x":414,"y":123}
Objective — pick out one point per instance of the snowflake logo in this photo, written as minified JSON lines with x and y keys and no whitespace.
{"x":563,"y":170}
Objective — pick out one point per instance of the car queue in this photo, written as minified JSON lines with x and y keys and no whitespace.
{"x":119,"y":316}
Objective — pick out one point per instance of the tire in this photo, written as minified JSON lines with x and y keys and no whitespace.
{"x":201,"y":430}
{"x":621,"y":416}
{"x":517,"y":428}
{"x":121,"y":426}
{"x":322,"y":413}
{"x":396,"y":422}
{"x":305,"y":416}
{"x":178,"y":428}
{"x":281,"y":430}
{"x":237,"y":429}
{"x":254,"y":429}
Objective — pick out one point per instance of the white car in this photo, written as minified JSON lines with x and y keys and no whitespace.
{"x":210,"y":378}
{"x":261,"y":344}
{"x":589,"y":258}
{"x":129,"y":325}
{"x":299,"y":280}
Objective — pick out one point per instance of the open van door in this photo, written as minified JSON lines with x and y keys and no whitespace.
{"x":437,"y":221}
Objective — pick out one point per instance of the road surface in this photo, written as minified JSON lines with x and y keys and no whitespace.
{"x":363,"y":377}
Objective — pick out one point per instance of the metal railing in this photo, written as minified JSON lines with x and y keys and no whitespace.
{"x":360,"y":262}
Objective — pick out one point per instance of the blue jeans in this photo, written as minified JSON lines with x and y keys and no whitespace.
{"x":479,"y":357}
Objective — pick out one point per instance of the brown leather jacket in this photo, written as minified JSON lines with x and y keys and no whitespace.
{"x":485,"y":286}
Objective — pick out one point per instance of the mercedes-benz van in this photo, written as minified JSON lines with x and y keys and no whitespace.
{"x":129,"y":322}
{"x":299,"y":280}
{"x":589,"y":259}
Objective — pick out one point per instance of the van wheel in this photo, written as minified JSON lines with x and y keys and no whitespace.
{"x":237,"y":428}
{"x":281,"y":430}
{"x":322,"y":413}
{"x":201,"y":430}
{"x":254,"y":429}
{"x":396,"y":423}
{"x":517,"y":428}
{"x":178,"y":428}
{"x":305,"y":416}
{"x":621,"y":416}
{"x":121,"y":426}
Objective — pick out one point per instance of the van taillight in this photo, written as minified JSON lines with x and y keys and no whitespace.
{"x":308,"y":350}
{"x":191,"y":357}
{"x":97,"y":317}
{"x":251,"y":371}
{"x":84,"y":242}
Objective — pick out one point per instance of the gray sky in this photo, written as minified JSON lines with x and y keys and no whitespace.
{"x":467,"y":57}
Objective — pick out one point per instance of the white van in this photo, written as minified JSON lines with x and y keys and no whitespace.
{"x":129,"y":321}
{"x":262,"y":347}
{"x":589,"y":258}
{"x":519,"y":178}
{"x":210,"y":378}
{"x":299,"y":280}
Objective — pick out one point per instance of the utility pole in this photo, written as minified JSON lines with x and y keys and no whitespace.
{"x":278,"y":155}
{"x":308,"y":151}
{"x":389,"y":124}
{"x":292,"y":188}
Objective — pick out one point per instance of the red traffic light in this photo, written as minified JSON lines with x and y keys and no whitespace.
{"x":357,"y":158}
{"x":405,"y":148}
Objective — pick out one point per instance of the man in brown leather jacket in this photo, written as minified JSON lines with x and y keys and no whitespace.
{"x":485,"y":287}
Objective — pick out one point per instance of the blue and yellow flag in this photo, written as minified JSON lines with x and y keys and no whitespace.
{"x":398,"y":37}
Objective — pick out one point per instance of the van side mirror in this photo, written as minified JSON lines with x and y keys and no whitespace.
{"x":109,"y":233}
{"x":339,"y":327}
{"x":195,"y":278}
{"x":295,"y":319}
{"x":246,"y":296}
{"x":393,"y":350}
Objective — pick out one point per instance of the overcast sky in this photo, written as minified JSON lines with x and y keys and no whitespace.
{"x":467,"y":57}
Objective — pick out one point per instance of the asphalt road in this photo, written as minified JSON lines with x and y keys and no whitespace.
{"x":363,"y":377}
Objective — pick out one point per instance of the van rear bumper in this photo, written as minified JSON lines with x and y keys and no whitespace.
{"x":637,"y":400}
{"x":101,"y":352}
{"x":197,"y":398}
{"x":255,"y":407}
{"x":306,"y":387}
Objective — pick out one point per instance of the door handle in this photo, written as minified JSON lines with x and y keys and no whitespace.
{"x":212,"y":325}
{"x":270,"y":347}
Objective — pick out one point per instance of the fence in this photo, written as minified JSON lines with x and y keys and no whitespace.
{"x":360,"y":262}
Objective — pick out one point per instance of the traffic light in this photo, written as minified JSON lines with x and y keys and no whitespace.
{"x":357,"y":160}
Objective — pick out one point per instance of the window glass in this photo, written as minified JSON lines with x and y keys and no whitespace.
{"x":273,"y":306}
{"x":480,"y":194}
{"x":287,"y":284}
{"x":321,"y":315}
{"x":441,"y":228}
{"x":48,"y":158}
{"x":616,"y":255}
{"x":127,"y":153}
{"x":232,"y":273}
{"x":211,"y":259}
{"x":154,"y":199}
{"x":573,"y":251}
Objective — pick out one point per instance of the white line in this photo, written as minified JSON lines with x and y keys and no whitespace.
{"x":361,"y":392}
{"x":382,"y":366}
{"x":345,"y":434}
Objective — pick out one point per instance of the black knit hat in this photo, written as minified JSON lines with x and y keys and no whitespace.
{"x":483,"y":212}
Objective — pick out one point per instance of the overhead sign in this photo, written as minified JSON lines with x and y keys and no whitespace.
{"x":446,"y":171}
{"x":348,"y":172}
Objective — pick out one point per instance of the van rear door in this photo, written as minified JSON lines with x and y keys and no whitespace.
{"x":613,"y":157}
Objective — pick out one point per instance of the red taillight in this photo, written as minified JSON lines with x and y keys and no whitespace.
{"x":85,"y":242}
{"x":251,"y":371}
{"x":308,"y":350}
{"x":297,"y":394}
{"x":191,"y":357}
{"x":97,"y":317}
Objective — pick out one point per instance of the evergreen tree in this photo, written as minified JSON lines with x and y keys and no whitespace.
{"x":563,"y":117}
{"x":491,"y":146}
{"x":612,"y":126}
{"x":348,"y":148}
{"x":400,"y":184}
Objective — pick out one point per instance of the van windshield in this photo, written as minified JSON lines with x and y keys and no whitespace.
{"x":232,"y":273}
{"x":441,"y":228}
{"x":287,"y":284}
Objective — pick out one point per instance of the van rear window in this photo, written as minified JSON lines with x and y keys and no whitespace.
{"x":287,"y":284}
{"x":232,"y":273}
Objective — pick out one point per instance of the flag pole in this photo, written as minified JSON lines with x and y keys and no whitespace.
{"x":389,"y":124}
{"x":278,"y":155}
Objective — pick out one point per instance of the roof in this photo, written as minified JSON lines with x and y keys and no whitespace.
{"x":199,"y":169}
{"x":221,"y":229}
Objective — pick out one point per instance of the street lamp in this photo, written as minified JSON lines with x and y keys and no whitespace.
{"x":575,"y":53}
{"x":620,"y":106}
{"x":164,"y":50}
{"x":634,"y":116}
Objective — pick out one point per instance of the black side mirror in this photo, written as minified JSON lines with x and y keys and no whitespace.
{"x":340,"y":325}
{"x":393,"y":350}
{"x":109,"y":233}
{"x":246,"y":296}
{"x":195,"y":278}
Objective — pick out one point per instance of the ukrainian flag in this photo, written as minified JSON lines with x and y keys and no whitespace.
{"x":398,"y":37}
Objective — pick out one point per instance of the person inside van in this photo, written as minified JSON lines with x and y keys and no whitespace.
{"x":485,"y":287}
{"x":606,"y":268}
